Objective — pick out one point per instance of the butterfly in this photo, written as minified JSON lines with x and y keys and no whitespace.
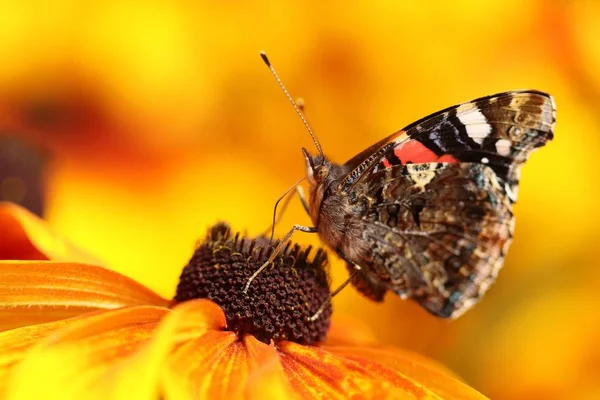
{"x":426,"y":213}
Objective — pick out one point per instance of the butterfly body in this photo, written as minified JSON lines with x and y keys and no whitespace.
{"x":427,"y":212}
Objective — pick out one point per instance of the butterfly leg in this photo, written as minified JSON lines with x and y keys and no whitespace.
{"x":284,"y":206}
{"x":278,"y":249}
{"x":287,"y":195}
{"x":335,"y":292}
{"x":276,"y":218}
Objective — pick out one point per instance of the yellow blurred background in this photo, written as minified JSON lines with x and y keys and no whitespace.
{"x":159,"y":119}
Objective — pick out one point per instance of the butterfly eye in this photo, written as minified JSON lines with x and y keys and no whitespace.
{"x":321,"y":173}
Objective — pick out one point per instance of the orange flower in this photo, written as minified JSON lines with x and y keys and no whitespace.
{"x":75,"y":330}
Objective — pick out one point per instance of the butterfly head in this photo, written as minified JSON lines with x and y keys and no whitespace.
{"x":317,"y":168}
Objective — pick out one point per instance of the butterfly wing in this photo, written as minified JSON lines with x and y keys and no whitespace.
{"x":499,"y":131}
{"x":434,"y":200}
{"x":436,"y":232}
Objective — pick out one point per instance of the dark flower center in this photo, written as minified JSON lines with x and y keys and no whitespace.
{"x":280,"y":300}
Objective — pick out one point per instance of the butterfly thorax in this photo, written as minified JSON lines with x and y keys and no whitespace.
{"x":330,"y":208}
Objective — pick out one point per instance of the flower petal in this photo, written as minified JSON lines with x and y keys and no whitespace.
{"x":79,"y":360}
{"x":33,"y":292}
{"x":132,"y":374}
{"x":15,"y":343}
{"x":218,"y":365}
{"x":139,"y":377}
{"x":267,"y":379}
{"x":193,"y":319}
{"x":204,"y":365}
{"x":27,"y":237}
{"x":428,"y":373}
{"x":314,"y":371}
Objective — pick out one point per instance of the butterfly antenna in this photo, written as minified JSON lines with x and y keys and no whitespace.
{"x":263,"y":55}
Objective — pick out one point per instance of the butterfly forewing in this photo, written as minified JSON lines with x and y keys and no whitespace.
{"x":499,"y":131}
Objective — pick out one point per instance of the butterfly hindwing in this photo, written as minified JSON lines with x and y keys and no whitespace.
{"x":436,"y":232}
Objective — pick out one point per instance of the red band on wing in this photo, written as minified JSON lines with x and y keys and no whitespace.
{"x":447,"y":158}
{"x":415,"y":152}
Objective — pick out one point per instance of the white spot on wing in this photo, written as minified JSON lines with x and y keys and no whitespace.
{"x":475,"y":122}
{"x":422,"y":174}
{"x":485,"y":160}
{"x":503,"y":147}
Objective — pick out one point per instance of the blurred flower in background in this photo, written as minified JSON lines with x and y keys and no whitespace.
{"x":21,"y":173}
{"x":159,"y":119}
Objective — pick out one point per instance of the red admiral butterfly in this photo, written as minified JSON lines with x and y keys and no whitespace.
{"x":427,"y":212}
